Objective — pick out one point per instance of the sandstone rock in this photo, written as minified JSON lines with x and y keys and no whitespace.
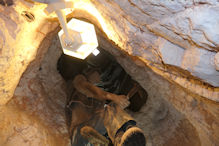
{"x":41,"y":96}
{"x":171,"y":115}
{"x":199,"y":62}
{"x":193,"y":26}
{"x":21,"y":128}
{"x":30,"y":118}
{"x":216,"y":61}
{"x":149,"y":33}
{"x":20,"y":41}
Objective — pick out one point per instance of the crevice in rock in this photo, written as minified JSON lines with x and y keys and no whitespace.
{"x":107,"y":73}
{"x":104,"y":72}
{"x":180,"y":109}
{"x":44,"y":93}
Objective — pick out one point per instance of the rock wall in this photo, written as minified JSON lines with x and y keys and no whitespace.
{"x":172,"y":46}
{"x":41,"y":96}
{"x":172,"y":115}
{"x":153,"y":31}
{"x":20,"y":39}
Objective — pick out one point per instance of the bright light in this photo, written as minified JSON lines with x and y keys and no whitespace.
{"x":96,"y":52}
{"x":85,"y":39}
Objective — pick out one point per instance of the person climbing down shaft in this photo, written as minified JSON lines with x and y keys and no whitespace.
{"x":121,"y":128}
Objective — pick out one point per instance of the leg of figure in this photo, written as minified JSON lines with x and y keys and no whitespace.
{"x":93,"y":136}
{"x":121,"y":127}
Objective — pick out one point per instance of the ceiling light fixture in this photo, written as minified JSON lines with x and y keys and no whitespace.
{"x":78,"y":38}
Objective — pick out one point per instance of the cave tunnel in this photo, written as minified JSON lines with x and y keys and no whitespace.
{"x":103,"y":71}
{"x":170,"y":82}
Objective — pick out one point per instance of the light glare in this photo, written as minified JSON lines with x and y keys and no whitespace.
{"x":88,"y":39}
{"x":96,"y":52}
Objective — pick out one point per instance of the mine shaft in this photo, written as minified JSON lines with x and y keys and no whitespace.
{"x":109,"y":73}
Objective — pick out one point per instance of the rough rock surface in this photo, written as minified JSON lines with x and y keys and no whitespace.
{"x":38,"y":104}
{"x":216,"y":61}
{"x":172,"y":115}
{"x":172,"y":47}
{"x":20,"y":40}
{"x":144,"y":40}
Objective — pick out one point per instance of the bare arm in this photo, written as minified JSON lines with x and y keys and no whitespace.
{"x":88,"y":89}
